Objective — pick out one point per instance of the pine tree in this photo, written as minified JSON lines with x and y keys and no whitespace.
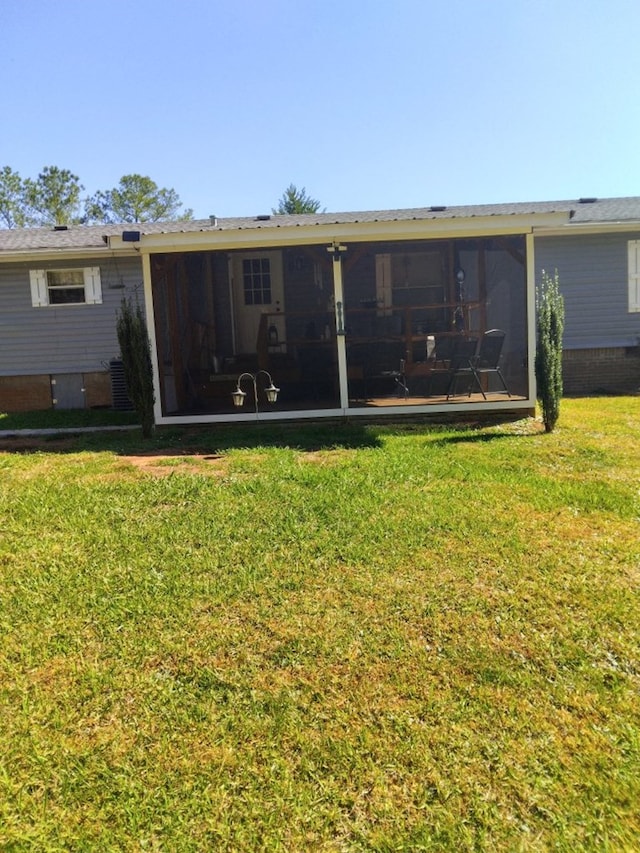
{"x":550,"y":327}
{"x":296,"y":201}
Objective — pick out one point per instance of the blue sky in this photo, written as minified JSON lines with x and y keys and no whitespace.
{"x":367,"y":104}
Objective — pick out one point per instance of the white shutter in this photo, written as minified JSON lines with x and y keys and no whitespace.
{"x":39,"y":292}
{"x":92,"y":286}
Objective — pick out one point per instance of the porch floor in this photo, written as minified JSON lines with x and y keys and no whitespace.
{"x":379,"y":402}
{"x":436,"y":400}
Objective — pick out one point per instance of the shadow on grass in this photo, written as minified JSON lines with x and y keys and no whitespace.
{"x":469,"y":437}
{"x":66,"y":419}
{"x":171,"y":441}
{"x":120,"y":435}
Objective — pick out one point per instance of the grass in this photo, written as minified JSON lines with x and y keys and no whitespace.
{"x":65,"y":419}
{"x":335,"y":638}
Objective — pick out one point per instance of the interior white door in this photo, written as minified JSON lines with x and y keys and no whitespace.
{"x":257,"y":289}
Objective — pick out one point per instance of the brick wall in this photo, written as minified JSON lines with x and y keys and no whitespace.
{"x":25,"y":393}
{"x":33,"y":393}
{"x":614,"y":370}
{"x":585,"y":371}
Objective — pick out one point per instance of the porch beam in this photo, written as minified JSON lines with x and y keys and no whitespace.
{"x":531,"y":317}
{"x":158,"y":388}
{"x":388,"y":231}
{"x":338,"y":301}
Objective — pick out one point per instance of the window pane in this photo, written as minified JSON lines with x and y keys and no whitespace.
{"x":256,"y":274}
{"x":66,"y":287}
{"x":65,"y":278}
{"x":66,"y":296}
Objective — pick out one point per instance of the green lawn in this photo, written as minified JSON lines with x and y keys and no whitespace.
{"x":332,"y":638}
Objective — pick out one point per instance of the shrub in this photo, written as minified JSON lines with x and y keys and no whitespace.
{"x":135,"y":349}
{"x":548,"y":365}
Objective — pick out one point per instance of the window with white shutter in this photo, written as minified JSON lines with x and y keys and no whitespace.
{"x":634,"y":275}
{"x":65,"y":287}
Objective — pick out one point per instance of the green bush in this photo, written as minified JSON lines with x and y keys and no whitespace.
{"x":550,"y":326}
{"x":135,"y":349}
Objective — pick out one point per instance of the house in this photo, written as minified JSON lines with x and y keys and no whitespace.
{"x":348,"y":314}
{"x":597,"y":255}
{"x":60,"y":289}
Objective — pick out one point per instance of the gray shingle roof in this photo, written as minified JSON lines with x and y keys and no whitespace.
{"x":88,"y":237}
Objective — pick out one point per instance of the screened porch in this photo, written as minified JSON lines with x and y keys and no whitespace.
{"x":367,"y":326}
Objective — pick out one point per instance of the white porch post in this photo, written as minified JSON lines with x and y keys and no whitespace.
{"x":151,"y":329}
{"x":337,"y":251}
{"x":531,"y":315}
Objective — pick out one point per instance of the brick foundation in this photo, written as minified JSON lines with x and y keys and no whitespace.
{"x":25,"y":393}
{"x":614,"y":370}
{"x":33,"y":393}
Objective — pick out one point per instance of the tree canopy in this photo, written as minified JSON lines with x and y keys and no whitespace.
{"x":136,"y":199}
{"x":55,"y":197}
{"x":296,"y":201}
{"x":12,"y":201}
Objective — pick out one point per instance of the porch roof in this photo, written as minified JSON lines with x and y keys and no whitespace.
{"x":92,"y":238}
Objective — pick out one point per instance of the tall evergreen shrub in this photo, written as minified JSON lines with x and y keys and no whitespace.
{"x":135,"y":349}
{"x":550,"y":327}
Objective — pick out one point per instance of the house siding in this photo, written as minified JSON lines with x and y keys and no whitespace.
{"x":593,"y":277}
{"x":67,"y":338}
{"x":601,"y":337}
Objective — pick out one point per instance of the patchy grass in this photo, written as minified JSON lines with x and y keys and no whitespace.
{"x":324,"y":638}
{"x":65,"y":419}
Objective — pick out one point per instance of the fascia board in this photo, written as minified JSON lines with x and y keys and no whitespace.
{"x":39,"y":255}
{"x":586,"y":228}
{"x":353,"y":232}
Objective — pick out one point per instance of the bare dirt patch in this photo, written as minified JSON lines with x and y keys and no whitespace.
{"x":164,"y":463}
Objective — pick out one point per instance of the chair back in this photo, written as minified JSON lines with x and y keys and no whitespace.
{"x":490,"y":349}
{"x":444,"y":346}
{"x":463,"y":353}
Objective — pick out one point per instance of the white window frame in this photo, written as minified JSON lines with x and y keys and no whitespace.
{"x":40,"y":287}
{"x":634,"y":276}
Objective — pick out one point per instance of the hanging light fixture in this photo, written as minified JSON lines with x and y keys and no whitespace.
{"x":270,"y":390}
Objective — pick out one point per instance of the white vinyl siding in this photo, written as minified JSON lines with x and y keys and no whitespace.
{"x":595,"y":281}
{"x":45,"y":284}
{"x":634,"y":275}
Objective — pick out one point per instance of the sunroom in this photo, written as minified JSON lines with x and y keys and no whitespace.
{"x":310,"y":317}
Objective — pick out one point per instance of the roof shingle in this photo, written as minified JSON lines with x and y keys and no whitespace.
{"x":87,"y":237}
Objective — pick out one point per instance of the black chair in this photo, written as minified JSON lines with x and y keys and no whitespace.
{"x":444,"y":348}
{"x":382,"y":368}
{"x":461,"y":365}
{"x":487,"y":361}
{"x":439,"y":362}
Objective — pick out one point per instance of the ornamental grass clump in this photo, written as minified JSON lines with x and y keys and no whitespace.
{"x":550,"y":326}
{"x":135,"y":349}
